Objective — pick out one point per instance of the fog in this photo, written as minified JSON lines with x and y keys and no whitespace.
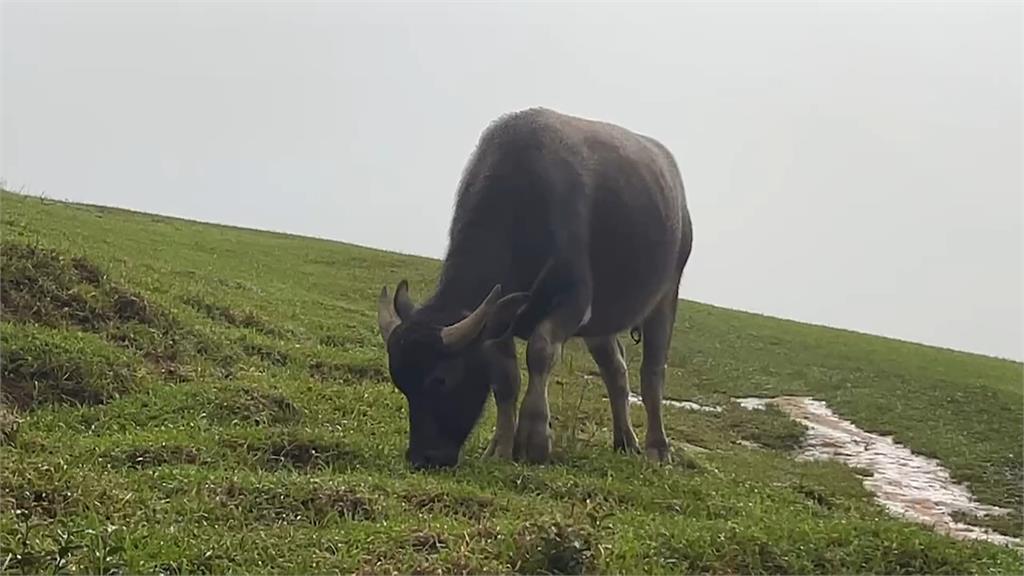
{"x":850,"y":164}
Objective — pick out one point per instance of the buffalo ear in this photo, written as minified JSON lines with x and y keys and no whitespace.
{"x":404,"y":305}
{"x":502,"y":321}
{"x":387,"y":318}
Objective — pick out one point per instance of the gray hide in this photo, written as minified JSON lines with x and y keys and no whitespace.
{"x":583,"y":227}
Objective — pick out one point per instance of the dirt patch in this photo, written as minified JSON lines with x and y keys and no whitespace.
{"x":298,"y":450}
{"x":345,"y":335}
{"x":87,"y":271}
{"x":39,"y":285}
{"x":131,"y":307}
{"x":569,"y":490}
{"x":239,"y":318}
{"x":815,"y":495}
{"x":141,"y":457}
{"x":427,"y":542}
{"x":225,"y":359}
{"x":165,"y":349}
{"x":42,"y":286}
{"x":9,"y":424}
{"x":336,"y":371}
{"x":235,"y":284}
{"x":314,"y":504}
{"x":265,"y":353}
{"x":553,"y":548}
{"x":332,"y":341}
{"x":40,"y":366}
{"x":250,"y":405}
{"x":206,"y":562}
{"x":342,"y":502}
{"x":468,"y":506}
{"x":305,"y":454}
{"x":40,"y":501}
{"x":909,"y":485}
{"x":327,"y":370}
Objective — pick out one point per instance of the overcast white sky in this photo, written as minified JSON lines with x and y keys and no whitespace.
{"x":850,"y":164}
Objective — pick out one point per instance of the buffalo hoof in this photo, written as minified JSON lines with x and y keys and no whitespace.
{"x":659,"y":454}
{"x":498,"y":450}
{"x":626,"y":443}
{"x":533,"y":442}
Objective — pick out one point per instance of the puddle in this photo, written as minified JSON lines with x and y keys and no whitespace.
{"x":907,"y":484}
{"x":684,"y":404}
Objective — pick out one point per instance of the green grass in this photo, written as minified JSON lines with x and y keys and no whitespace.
{"x":181,"y":397}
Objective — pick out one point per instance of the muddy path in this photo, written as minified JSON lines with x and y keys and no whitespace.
{"x":909,"y":485}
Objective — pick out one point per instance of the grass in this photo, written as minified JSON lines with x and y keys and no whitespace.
{"x":181,"y":398}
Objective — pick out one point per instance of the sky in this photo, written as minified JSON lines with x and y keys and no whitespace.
{"x":852,"y":164}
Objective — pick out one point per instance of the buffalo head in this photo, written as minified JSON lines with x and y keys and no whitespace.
{"x":444,"y":371}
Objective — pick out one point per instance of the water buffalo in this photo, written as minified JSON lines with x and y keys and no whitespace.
{"x":563,"y":227}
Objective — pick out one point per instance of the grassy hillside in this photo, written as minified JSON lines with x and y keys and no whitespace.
{"x":181,"y":397}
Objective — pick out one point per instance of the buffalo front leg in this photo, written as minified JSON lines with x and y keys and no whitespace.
{"x":506,"y":383}
{"x":608,"y":355}
{"x":657,"y":338}
{"x":533,"y":437}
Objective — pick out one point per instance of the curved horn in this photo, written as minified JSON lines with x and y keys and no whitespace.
{"x":387,"y":318}
{"x":464,"y":331}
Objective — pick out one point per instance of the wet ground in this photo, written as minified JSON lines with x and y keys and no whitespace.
{"x":684,"y":404}
{"x":915,"y":487}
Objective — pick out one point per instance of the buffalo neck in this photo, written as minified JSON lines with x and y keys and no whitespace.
{"x":461,"y":287}
{"x":488,"y":245}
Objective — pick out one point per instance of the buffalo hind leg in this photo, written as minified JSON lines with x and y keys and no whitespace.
{"x":608,"y":355}
{"x":657,"y":338}
{"x":506,"y":383}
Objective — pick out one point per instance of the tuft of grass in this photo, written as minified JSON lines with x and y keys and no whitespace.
{"x":243,"y":318}
{"x":46,"y":501}
{"x":1010,"y":522}
{"x":347,"y":369}
{"x":296,"y":450}
{"x":317,"y":505}
{"x":251,"y":405}
{"x":139,"y":457}
{"x":769,"y":428}
{"x":466,"y":505}
{"x":9,"y":422}
{"x":265,"y":352}
{"x":554,"y":548}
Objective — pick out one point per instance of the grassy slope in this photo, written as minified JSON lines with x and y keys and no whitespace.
{"x":211,"y":398}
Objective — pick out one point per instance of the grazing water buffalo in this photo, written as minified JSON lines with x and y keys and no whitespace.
{"x":563,"y":227}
